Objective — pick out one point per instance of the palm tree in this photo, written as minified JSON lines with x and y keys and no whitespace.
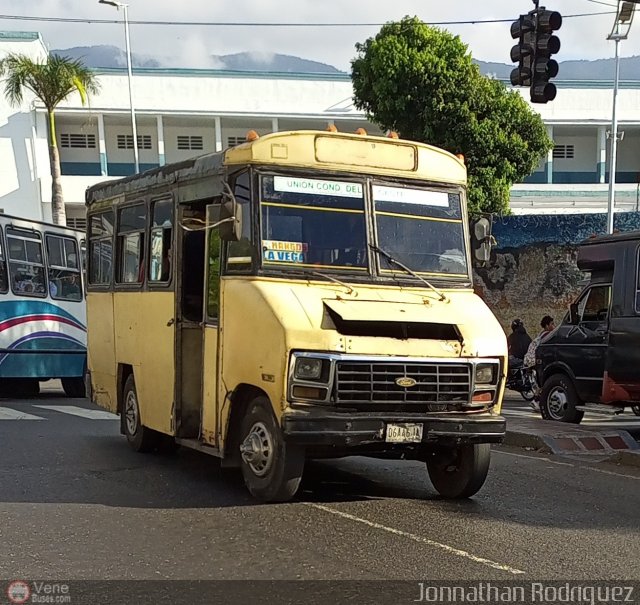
{"x":51,"y":82}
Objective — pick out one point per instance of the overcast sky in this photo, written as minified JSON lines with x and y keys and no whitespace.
{"x":582,"y":38}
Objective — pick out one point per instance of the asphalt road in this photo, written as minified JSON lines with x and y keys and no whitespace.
{"x":516,"y":407}
{"x":77,"y":503}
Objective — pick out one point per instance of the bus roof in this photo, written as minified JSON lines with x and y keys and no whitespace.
{"x":27,"y":223}
{"x":317,"y":150}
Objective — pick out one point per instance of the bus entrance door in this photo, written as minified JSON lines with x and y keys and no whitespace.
{"x":189,"y":299}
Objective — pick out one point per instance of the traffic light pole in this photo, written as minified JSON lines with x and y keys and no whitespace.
{"x":614,"y":141}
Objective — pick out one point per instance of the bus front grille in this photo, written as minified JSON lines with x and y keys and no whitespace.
{"x":373,"y":386}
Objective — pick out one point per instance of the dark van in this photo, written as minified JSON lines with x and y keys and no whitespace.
{"x":592,"y":360}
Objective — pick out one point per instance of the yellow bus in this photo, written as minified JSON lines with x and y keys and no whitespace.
{"x":303,"y":295}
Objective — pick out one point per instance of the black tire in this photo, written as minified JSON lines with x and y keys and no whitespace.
{"x":22,"y":388}
{"x":74,"y":387}
{"x":140,"y":438}
{"x":527,"y":395}
{"x":559,"y":399}
{"x":461,"y":471}
{"x":636,"y":409}
{"x":272,"y":469}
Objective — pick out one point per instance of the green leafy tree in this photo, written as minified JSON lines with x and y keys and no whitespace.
{"x":421,"y":82}
{"x":52,"y":82}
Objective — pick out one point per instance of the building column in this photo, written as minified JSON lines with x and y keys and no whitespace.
{"x":274,"y":124}
{"x":160,"y":127}
{"x":218,"y":127}
{"x":602,"y":154}
{"x":102,"y":147}
{"x":548,"y":167}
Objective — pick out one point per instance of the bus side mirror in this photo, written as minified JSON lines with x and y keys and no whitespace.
{"x":574,"y":317}
{"x":482,"y":240}
{"x":230,"y":220}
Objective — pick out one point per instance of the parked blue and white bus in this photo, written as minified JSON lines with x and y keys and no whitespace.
{"x":43,"y":332}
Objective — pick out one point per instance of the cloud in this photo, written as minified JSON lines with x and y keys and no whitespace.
{"x":582,"y":38}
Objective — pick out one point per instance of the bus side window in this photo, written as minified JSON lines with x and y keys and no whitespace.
{"x":4,"y":280}
{"x":213,"y":271}
{"x":101,"y":248}
{"x":26,"y":265}
{"x":240,"y":253}
{"x":63,"y":268}
{"x":160,"y":257}
{"x":131,"y":229}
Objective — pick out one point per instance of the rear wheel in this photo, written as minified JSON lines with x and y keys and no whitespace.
{"x":140,"y":438}
{"x":636,"y":409}
{"x":461,"y":471}
{"x":272,"y":469}
{"x":74,"y":387}
{"x":559,"y":399}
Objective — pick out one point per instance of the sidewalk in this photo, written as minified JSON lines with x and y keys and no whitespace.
{"x":560,"y":438}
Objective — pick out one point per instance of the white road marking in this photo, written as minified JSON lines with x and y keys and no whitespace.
{"x":544,"y":459}
{"x":74,"y":410}
{"x":11,"y":414}
{"x":421,"y":539}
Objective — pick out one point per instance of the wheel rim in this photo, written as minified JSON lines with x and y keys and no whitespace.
{"x":257,"y":449}
{"x":131,"y":413}
{"x":557,"y":403}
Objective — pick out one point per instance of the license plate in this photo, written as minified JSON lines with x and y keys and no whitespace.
{"x":404,"y":433}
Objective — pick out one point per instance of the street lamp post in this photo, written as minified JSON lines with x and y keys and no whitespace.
{"x":125,"y":7}
{"x":620,"y":31}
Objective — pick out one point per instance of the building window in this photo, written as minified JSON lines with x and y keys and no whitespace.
{"x":563,"y":152}
{"x":77,"y":222}
{"x":125,"y":141}
{"x":101,"y":248}
{"x":73,"y":140}
{"x":233,"y":141}
{"x":190,"y":142}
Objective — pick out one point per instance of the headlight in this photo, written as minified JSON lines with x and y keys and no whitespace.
{"x":485,"y":373}
{"x":308,"y":368}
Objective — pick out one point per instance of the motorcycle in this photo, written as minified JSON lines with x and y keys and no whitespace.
{"x":524,"y":381}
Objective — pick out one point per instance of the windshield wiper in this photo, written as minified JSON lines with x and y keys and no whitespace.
{"x":329,"y":277}
{"x":396,"y":262}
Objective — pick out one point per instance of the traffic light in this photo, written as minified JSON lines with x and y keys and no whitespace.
{"x":536,"y":45}
{"x":544,"y":67}
{"x":522,"y":53}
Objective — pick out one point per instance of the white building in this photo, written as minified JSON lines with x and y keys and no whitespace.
{"x":182,"y":112}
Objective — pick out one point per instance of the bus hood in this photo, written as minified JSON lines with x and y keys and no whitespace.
{"x":384,"y":320}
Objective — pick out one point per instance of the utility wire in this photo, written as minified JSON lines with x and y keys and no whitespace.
{"x":257,"y":24}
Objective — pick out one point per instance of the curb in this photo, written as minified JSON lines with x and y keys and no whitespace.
{"x":626,"y":458}
{"x":526,"y":440}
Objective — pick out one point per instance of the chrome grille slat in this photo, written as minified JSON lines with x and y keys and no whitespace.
{"x":371,"y":385}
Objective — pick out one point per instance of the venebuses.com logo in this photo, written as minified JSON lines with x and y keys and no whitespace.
{"x":18,"y":592}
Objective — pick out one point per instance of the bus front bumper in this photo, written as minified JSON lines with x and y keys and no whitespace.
{"x":327,"y":428}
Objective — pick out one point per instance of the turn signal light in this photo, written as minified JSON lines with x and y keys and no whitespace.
{"x":332,"y":128}
{"x":252,"y":135}
{"x":460,"y":157}
{"x":483,"y":397}
{"x":309,"y":392}
{"x":361,"y":131}
{"x":393,"y":135}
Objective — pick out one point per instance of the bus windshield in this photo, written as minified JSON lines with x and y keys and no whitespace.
{"x":313,"y":222}
{"x":422,"y":228}
{"x":322,"y":223}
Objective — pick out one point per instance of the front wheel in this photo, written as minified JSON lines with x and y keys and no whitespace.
{"x":461,"y":471}
{"x":74,"y":387}
{"x":559,"y":399}
{"x":272,"y":469}
{"x":636,"y":409}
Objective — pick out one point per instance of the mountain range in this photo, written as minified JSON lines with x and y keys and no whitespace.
{"x":111,"y":56}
